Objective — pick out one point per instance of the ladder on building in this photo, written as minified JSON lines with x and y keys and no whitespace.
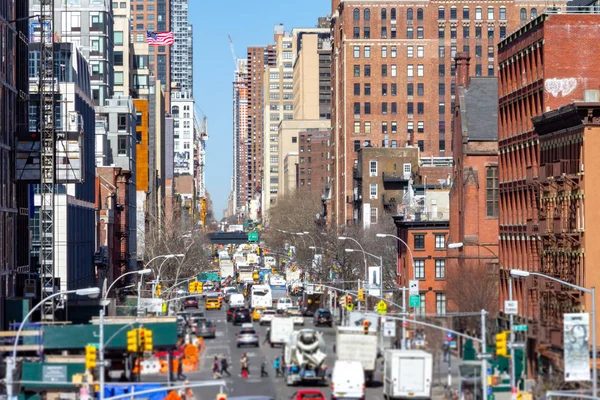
{"x":47,"y":157}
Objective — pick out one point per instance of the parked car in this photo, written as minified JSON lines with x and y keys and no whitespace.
{"x":323,"y":317}
{"x":247,"y":337}
{"x":308,"y":394}
{"x":266,"y":317}
{"x":206,"y":329}
{"x":190,"y":302}
{"x":296,"y":315}
{"x":241,"y":315}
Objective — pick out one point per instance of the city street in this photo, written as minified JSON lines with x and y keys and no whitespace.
{"x":225,"y":343}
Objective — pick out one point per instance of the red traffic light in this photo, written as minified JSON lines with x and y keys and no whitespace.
{"x":366,"y":323}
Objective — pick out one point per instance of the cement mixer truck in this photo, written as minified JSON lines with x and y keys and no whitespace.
{"x":305,"y":355}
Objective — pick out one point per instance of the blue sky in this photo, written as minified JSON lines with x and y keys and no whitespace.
{"x":248,"y":23}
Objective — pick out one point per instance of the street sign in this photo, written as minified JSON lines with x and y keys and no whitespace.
{"x":389,"y":329}
{"x":414,"y":301}
{"x":449,"y":336}
{"x":54,"y":373}
{"x":520,"y":328}
{"x":382,"y":307}
{"x":253,"y":237}
{"x":453,"y":345}
{"x":486,"y":356}
{"x":511,"y":307}
{"x":413,"y":288}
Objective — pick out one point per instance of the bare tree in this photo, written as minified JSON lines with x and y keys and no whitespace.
{"x":472,"y":287}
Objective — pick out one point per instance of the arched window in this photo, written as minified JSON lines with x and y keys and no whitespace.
{"x":409,"y":14}
{"x":523,"y":14}
{"x":356,"y":14}
{"x":465,"y":12}
{"x":393,"y":14}
{"x":533,"y":13}
{"x":419,"y":14}
{"x":478,"y":13}
{"x":367,"y":14}
{"x":503,"y":13}
{"x":441,"y":13}
{"x":175,"y":110}
{"x":383,"y":14}
{"x":453,"y":13}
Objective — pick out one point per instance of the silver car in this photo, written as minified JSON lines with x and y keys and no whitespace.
{"x":247,"y":337}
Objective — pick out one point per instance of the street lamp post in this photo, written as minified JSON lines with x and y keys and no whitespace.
{"x":412,"y":259}
{"x":166,"y":257}
{"x":105,"y":297}
{"x":517,"y":273}
{"x":12,"y":360}
{"x":364,"y":258}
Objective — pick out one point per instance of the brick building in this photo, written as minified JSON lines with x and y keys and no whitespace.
{"x":534,"y":78}
{"x":424,"y":228}
{"x":393,"y":76}
{"x":474,"y":193}
{"x":314,"y":162}
{"x":380,"y":177}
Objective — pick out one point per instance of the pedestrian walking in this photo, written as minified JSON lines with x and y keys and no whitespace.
{"x":267,"y":336}
{"x":263,"y":367}
{"x":180,"y":375}
{"x":277,"y":366}
{"x":216,"y":368}
{"x":224,"y":366}
{"x":244,"y":366}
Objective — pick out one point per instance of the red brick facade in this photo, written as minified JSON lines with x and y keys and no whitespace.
{"x":314,"y":162}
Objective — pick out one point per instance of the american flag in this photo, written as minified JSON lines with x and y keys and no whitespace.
{"x":160,"y":38}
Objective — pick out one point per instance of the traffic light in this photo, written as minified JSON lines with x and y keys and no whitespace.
{"x":361,"y":294}
{"x":147,"y":344}
{"x":132,"y":341}
{"x":199,"y":287}
{"x":141,"y":338}
{"x":366,"y":325}
{"x":349,"y":299}
{"x":158,"y":290}
{"x":221,"y":396}
{"x":91,"y":354}
{"x":501,"y":344}
{"x":192,"y":287}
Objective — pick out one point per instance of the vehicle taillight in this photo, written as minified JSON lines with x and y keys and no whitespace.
{"x":256,"y":336}
{"x":332,"y":386}
{"x":363,"y":387}
{"x":239,"y":336}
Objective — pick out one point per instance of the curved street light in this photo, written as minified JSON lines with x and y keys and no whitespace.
{"x":105,"y":297}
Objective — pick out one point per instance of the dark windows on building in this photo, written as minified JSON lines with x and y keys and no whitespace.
{"x":419,"y":14}
{"x":367,"y":70}
{"x":409,"y":14}
{"x":356,"y":14}
{"x":419,"y":242}
{"x":491,"y":187}
{"x":421,"y":145}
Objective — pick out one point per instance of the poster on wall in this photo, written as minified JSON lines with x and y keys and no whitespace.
{"x":577,"y":347}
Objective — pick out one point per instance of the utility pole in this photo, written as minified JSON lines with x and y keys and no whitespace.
{"x":513,"y":364}
{"x":483,"y":359}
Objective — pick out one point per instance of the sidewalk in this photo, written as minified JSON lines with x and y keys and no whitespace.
{"x":441,"y":370}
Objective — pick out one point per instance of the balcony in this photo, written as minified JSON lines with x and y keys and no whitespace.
{"x":390,"y":177}
{"x":356,"y":174}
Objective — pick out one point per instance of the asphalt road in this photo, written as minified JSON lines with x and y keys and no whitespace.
{"x":225,"y":343}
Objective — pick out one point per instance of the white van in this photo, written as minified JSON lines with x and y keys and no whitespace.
{"x":348,"y":381}
{"x":236,"y":300}
{"x":283,"y":304}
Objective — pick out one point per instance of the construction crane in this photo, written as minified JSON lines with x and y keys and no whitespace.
{"x":47,"y":157}
{"x":235,"y":59}
{"x":203,"y":129}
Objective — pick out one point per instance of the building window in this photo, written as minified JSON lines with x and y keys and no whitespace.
{"x":409,"y":14}
{"x":453,"y":13}
{"x":367,"y":70}
{"x":384,"y":51}
{"x":367,"y":127}
{"x":383,"y":14}
{"x":357,"y":108}
{"x":367,"y":51}
{"x":478,"y":32}
{"x":420,"y":34}
{"x":356,"y":14}
{"x":367,"y":88}
{"x":394,"y":124}
{"x":490,"y":70}
{"x":118,"y":57}
{"x":440,"y":241}
{"x":441,"y":13}
{"x":419,"y":269}
{"x":420,"y":89}
{"x":441,"y":33}
{"x":410,"y":108}
{"x":490,"y":13}
{"x":420,"y":70}
{"x":118,"y":38}
{"x":478,"y":51}
{"x":373,"y":168}
{"x":419,"y":242}
{"x":410,"y":52}
{"x":440,"y":269}
{"x":122,"y":122}
{"x":373,"y":191}
{"x":410,"y":89}
{"x":419,"y":14}
{"x":357,"y":127}
{"x":465,"y":12}
{"x":384,"y":89}
{"x":502,"y":32}
{"x":367,"y":33}
{"x":374,"y":215}
{"x":440,"y":303}
{"x":394,"y":71}
{"x":420,"y":108}
{"x":367,"y":14}
{"x":442,"y":70}
{"x":356,"y":33}
{"x":478,"y":13}
{"x":490,"y":32}
{"x":523,"y":14}
{"x":356,"y":145}
{"x":477,"y":69}
{"x":502,"y":13}
{"x":393,"y":51}
{"x":294,"y":139}
{"x":357,"y":89}
{"x":533,"y":13}
{"x":492,"y":192}
{"x":122,"y":145}
{"x":384,"y":70}
{"x":410,"y":127}
{"x":384,"y":109}
{"x":393,"y":14}
{"x":383,"y":32}
{"x":422,"y":309}
{"x":409,"y":32}
{"x":441,"y":108}
{"x":420,"y":51}
{"x":466,"y":32}
{"x":421,"y":145}
{"x":357,"y":71}
{"x":410,"y":70}
{"x":367,"y":108}
{"x":421,"y":127}
{"x":356,"y":51}
{"x":118,"y":78}
{"x":453,"y":33}
{"x":393,"y":89}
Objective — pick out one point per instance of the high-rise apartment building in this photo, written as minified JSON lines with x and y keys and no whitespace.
{"x":241,"y":152}
{"x":123,"y":50}
{"x":393,"y":76}
{"x":153,"y":16}
{"x":259,"y":57}
{"x":182,"y":54}
{"x":279,"y":106}
{"x":182,"y":110}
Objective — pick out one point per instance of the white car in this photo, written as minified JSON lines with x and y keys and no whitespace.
{"x":296,"y":315}
{"x":283,"y":304}
{"x":267,"y":317}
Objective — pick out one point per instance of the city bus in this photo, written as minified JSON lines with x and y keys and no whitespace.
{"x":260,"y":296}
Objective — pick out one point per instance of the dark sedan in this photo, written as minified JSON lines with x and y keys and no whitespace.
{"x":241,"y":315}
{"x":323,"y":317}
{"x":230,"y":312}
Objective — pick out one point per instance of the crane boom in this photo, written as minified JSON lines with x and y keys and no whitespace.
{"x":235,"y":59}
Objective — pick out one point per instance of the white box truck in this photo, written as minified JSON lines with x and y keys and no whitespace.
{"x":407,"y":374}
{"x":353,"y":345}
{"x":226,"y":268}
{"x":281,"y":330}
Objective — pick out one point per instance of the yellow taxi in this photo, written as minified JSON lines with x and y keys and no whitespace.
{"x":257,"y":313}
{"x":213,"y":303}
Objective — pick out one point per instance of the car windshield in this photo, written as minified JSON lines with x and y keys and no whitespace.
{"x":247,"y":332}
{"x":324,"y":313}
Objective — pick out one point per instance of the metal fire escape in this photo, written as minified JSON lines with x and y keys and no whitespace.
{"x":47,"y":156}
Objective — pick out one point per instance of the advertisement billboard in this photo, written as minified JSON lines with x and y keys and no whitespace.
{"x":577,"y":347}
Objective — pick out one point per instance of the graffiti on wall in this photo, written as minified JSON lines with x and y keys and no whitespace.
{"x":562,"y":87}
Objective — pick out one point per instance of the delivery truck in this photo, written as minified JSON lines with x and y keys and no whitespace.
{"x":353,"y":345}
{"x":281,"y":329}
{"x":407,"y":374}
